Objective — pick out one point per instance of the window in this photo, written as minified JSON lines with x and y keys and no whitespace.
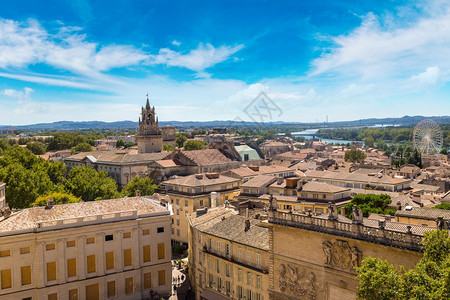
{"x":25,"y":272}
{"x":53,"y":296}
{"x":161,"y":251}
{"x":71,"y":267}
{"x":173,"y":221}
{"x":5,"y":253}
{"x":258,"y":282}
{"x":239,"y":274}
{"x":50,"y":247}
{"x":178,"y":201}
{"x":109,"y":237}
{"x":178,"y":212}
{"x":93,"y":291}
{"x":109,"y":260}
{"x":249,"y":278}
{"x":210,"y":280}
{"x":240,"y":254}
{"x":160,"y":230}
{"x":240,"y":292}
{"x":6,"y":279}
{"x":51,"y":271}
{"x":70,"y":243}
{"x":249,"y":257}
{"x":178,"y":222}
{"x":126,"y":235}
{"x":73,"y":294}
{"x":228,"y":270}
{"x":227,"y":250}
{"x":185,"y":203}
{"x":228,"y":288}
{"x":162,"y":277}
{"x":147,"y":253}
{"x":315,"y":196}
{"x":90,"y":263}
{"x":218,"y":247}
{"x":146,"y":232}
{"x":201,"y":203}
{"x":178,"y":232}
{"x":127,"y":259}
{"x":90,"y":240}
{"x":217,"y":266}
{"x":129,"y":285}
{"x":25,"y":250}
{"x":147,"y":280}
{"x":111,"y":286}
{"x":324,"y":196}
{"x":258,"y":260}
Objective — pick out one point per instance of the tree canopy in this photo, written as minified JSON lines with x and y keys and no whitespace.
{"x":194,"y":145}
{"x":89,"y":185}
{"x":58,"y":198}
{"x":144,"y":185}
{"x":370,"y":203}
{"x":429,"y":279}
{"x":355,"y":155}
{"x":82,"y":147}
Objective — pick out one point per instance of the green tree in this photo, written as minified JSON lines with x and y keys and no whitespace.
{"x":168,"y":147}
{"x":194,"y":145}
{"x":89,"y":185}
{"x":445,"y":206}
{"x":36,"y":148}
{"x":443,"y":151}
{"x":370,"y":203}
{"x":180,"y":140}
{"x":354,"y":155}
{"x":144,"y":185}
{"x":120,"y":143}
{"x":368,"y":142}
{"x":58,"y":198}
{"x":429,"y":279}
{"x":23,"y":185}
{"x":82,"y":147}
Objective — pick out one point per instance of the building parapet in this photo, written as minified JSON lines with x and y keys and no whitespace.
{"x":355,"y":230}
{"x":76,"y":222}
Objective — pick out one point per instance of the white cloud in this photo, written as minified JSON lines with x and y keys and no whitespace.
{"x":429,"y":78}
{"x":24,"y":103}
{"x":381,"y":46}
{"x":176,"y":43}
{"x":205,"y":56}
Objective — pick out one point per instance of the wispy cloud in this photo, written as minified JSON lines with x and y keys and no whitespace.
{"x":205,"y":56}
{"x":24,"y":103}
{"x":390,"y":45}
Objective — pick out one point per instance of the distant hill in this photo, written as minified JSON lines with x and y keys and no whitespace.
{"x":86,"y":125}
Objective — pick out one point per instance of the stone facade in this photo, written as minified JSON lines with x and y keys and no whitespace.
{"x":2,"y":195}
{"x":116,"y":248}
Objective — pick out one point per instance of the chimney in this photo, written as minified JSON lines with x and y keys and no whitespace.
{"x":138,"y":193}
{"x":247,"y":225}
{"x":49,"y":203}
{"x":399,"y":205}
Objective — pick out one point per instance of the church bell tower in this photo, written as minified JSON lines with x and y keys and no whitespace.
{"x":150,"y":138}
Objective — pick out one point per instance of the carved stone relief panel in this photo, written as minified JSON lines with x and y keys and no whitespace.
{"x":340,"y":255}
{"x":295,"y":281}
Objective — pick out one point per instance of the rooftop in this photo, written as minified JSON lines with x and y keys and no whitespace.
{"x":259,"y":181}
{"x":206,"y":157}
{"x":424,"y":213}
{"x":89,"y":212}
{"x":365,"y":178}
{"x":321,"y":187}
{"x":119,"y":156}
{"x":232,"y":228}
{"x":198,"y":180}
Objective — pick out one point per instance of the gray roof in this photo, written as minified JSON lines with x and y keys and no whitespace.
{"x":424,"y":213}
{"x":232,"y":228}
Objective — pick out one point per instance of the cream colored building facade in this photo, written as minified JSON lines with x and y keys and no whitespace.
{"x":190,"y":193}
{"x":2,"y":195}
{"x":110,"y":249}
{"x":228,"y":259}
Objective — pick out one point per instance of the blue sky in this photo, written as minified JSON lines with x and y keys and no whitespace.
{"x":207,"y":60}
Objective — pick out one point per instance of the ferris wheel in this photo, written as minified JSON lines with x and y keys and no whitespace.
{"x":427,"y":137}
